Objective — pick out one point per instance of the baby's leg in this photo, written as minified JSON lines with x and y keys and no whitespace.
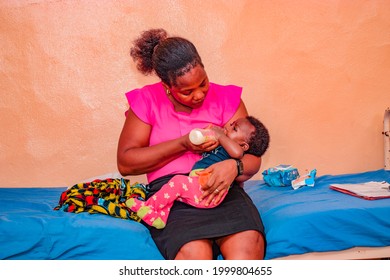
{"x":195,"y":191}
{"x":155,"y":210}
{"x":191,"y":190}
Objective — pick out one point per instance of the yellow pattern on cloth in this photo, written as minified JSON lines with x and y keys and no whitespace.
{"x":102,"y":196}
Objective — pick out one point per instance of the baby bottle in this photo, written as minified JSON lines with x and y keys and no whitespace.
{"x":199,"y":136}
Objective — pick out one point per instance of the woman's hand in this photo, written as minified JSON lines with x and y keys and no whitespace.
{"x":204,"y":147}
{"x":222,"y":175}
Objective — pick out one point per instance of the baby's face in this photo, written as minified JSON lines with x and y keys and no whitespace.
{"x":240,"y":130}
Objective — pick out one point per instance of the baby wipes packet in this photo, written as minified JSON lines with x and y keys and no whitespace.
{"x":281,"y":175}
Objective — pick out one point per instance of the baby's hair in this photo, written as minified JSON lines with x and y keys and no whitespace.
{"x":168,"y":57}
{"x":259,"y":139}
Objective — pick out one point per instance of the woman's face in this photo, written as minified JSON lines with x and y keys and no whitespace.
{"x":191,"y":88}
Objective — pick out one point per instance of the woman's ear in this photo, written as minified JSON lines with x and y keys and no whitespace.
{"x":166,"y":88}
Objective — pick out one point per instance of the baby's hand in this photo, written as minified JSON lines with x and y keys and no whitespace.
{"x":218,"y":131}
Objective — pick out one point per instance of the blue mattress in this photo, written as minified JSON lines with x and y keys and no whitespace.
{"x":31,"y":230}
{"x":296,"y":221}
{"x":318,"y":219}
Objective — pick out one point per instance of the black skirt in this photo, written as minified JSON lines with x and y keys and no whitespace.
{"x":186,"y":223}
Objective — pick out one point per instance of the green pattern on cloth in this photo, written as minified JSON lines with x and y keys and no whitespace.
{"x":102,"y":196}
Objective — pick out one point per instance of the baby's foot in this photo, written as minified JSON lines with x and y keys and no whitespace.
{"x":158,"y":223}
{"x":134,"y":204}
{"x":148,"y":215}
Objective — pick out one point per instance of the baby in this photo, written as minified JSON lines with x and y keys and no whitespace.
{"x":245,"y":135}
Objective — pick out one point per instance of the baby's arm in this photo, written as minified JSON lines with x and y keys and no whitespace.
{"x":232,"y":148}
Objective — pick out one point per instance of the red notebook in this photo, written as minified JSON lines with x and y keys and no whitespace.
{"x":368,"y":190}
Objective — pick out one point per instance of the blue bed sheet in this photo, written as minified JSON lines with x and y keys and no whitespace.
{"x":299,"y":221}
{"x":318,"y":219}
{"x":31,"y":230}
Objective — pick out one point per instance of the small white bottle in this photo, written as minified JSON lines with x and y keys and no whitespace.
{"x":199,"y":136}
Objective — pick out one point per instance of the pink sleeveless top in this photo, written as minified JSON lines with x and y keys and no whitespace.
{"x":152,"y":106}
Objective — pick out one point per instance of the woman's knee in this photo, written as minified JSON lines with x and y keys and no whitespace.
{"x":246,"y":245}
{"x":196,"y":250}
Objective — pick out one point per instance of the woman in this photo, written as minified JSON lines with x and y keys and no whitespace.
{"x":155,"y":141}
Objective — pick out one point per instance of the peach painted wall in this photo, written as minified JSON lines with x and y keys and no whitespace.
{"x":316,"y":72}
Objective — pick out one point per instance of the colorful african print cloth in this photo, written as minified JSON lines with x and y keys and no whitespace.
{"x":102,"y":196}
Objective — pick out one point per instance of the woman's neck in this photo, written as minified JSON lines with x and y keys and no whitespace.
{"x":178,"y":106}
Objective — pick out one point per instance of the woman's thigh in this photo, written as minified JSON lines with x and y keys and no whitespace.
{"x":196,"y":250}
{"x":245,"y":245}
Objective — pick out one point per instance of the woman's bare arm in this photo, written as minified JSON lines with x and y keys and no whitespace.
{"x":134,"y":156}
